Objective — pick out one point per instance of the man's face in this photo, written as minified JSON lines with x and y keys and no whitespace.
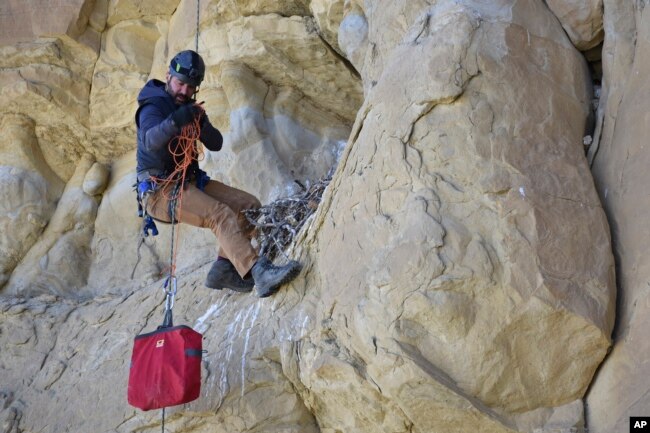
{"x":179,"y":90}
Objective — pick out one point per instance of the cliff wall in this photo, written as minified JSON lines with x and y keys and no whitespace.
{"x":459,"y":274}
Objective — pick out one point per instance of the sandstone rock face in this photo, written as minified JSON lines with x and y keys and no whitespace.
{"x":24,"y":21}
{"x":45,"y":132}
{"x":91,"y":362}
{"x":328,"y":15}
{"x":124,"y":63}
{"x":48,"y":81}
{"x":59,"y":260}
{"x":620,"y":168}
{"x":126,"y":10}
{"x":583,"y":21}
{"x":25,"y":212}
{"x":96,"y":179}
{"x":458,"y":275}
{"x":466,"y":206}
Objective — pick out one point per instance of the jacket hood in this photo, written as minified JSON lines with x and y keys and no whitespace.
{"x":153,"y":89}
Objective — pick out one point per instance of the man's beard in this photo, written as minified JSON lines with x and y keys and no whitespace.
{"x":178,"y":99}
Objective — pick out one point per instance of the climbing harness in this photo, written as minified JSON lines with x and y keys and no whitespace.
{"x":144,"y":189}
{"x":186,"y":152}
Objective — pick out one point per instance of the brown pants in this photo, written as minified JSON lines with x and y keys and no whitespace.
{"x":218,"y":208}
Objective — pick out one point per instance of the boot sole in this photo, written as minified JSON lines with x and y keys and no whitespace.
{"x":293,"y":273}
{"x":234,"y":289}
{"x":231,"y":286}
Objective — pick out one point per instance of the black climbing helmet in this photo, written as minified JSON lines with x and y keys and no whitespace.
{"x":188,"y":66}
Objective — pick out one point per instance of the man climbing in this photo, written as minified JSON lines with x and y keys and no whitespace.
{"x":164,"y":110}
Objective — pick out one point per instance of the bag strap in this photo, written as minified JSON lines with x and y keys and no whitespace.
{"x":170,"y":293}
{"x":170,"y":283}
{"x":168,"y":321}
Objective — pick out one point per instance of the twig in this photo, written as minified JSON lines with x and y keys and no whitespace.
{"x":279,"y":222}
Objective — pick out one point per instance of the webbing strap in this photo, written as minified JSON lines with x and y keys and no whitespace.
{"x":170,"y":286}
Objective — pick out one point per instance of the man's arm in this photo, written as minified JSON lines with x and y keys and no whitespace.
{"x":210,"y":136}
{"x":158,"y":129}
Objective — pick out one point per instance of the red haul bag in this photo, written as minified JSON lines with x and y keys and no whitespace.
{"x":165,"y":368}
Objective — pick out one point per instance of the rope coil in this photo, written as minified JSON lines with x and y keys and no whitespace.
{"x":184,"y":152}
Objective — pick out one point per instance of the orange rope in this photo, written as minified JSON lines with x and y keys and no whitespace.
{"x":184,"y":152}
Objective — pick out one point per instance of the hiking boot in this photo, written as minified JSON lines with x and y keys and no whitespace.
{"x":224,"y":275}
{"x":269,"y":277}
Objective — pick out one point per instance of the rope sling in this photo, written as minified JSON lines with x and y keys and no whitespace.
{"x":184,"y":153}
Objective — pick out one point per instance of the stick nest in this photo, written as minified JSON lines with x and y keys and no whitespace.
{"x":279,"y":222}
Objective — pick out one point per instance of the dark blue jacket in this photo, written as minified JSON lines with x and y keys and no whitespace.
{"x":156,"y":130}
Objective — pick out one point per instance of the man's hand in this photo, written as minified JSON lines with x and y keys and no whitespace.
{"x":185,"y":114}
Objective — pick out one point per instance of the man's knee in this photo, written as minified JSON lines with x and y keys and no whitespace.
{"x":248,"y":201}
{"x":254,"y":203}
